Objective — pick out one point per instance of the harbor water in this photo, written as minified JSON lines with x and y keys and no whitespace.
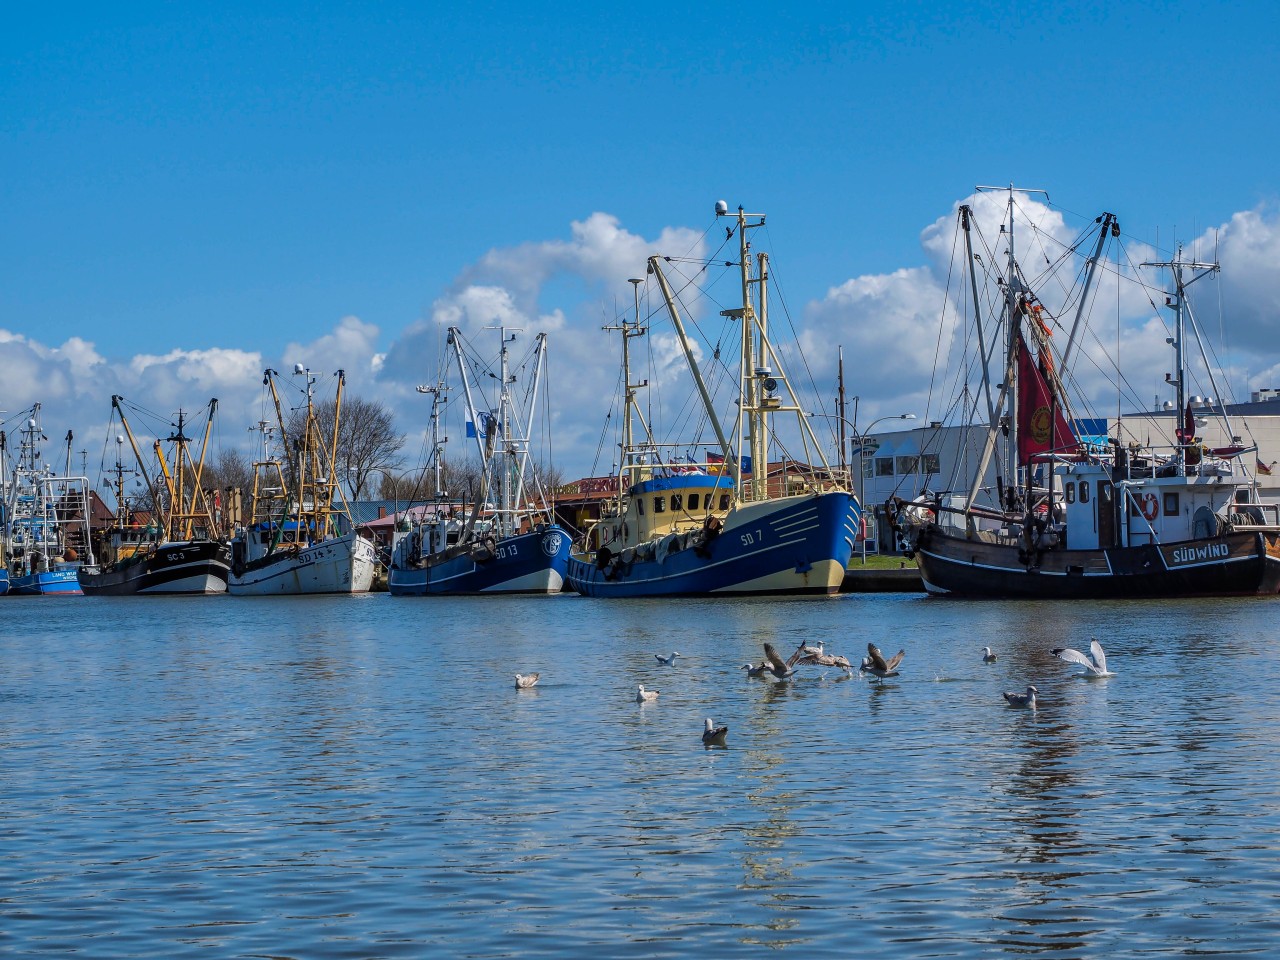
{"x":358,"y":777}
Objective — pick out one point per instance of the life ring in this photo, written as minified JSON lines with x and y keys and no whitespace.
{"x":1150,"y":506}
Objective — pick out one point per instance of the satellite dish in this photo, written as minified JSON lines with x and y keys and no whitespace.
{"x":722,"y":208}
{"x":299,"y":369}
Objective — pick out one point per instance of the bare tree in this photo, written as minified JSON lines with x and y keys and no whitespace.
{"x":229,"y":470}
{"x":367,"y":439}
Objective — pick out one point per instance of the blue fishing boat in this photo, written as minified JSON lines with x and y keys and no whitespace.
{"x":727,"y":523}
{"x":45,"y":526}
{"x":507,"y":540}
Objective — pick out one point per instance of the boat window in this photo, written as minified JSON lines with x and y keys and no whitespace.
{"x":724,"y":501}
{"x":884,"y":466}
{"x":1171,"y":504}
{"x":693,"y":501}
{"x":659,"y":504}
{"x":677,"y":502}
{"x":640,"y":505}
{"x":1069,"y":492}
{"x":1084,"y":491}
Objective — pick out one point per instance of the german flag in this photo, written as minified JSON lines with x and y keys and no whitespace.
{"x":1263,"y":469}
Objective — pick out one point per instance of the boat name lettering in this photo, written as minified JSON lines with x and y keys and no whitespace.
{"x":509,"y":550}
{"x":1208,"y":552}
{"x":174,"y":557}
{"x":749,"y":538}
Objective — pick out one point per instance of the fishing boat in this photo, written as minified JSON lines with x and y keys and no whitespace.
{"x":299,"y":538}
{"x":507,"y":540}
{"x":684,"y":524}
{"x":1069,"y":515}
{"x":179,"y":549}
{"x":45,"y":518}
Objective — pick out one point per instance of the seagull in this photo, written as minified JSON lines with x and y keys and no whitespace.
{"x":1027,"y":699}
{"x":988,"y":656}
{"x":526,"y":680}
{"x":713,"y":736}
{"x":645,"y":696}
{"x":1095,"y":664}
{"x":776,"y":665}
{"x":809,"y":651}
{"x":875,"y":664}
{"x":668,"y":661}
{"x":820,"y":659}
{"x":756,"y":669}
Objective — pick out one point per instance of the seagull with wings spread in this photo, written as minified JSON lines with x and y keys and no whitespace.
{"x":1095,"y":663}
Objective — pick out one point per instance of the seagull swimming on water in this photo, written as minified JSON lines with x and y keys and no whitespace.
{"x":1027,"y":699}
{"x":875,"y":664}
{"x":668,"y":661}
{"x":756,"y":669}
{"x":713,"y":736}
{"x":526,"y":680}
{"x":645,"y":696}
{"x":1095,"y":664}
{"x":988,"y":656}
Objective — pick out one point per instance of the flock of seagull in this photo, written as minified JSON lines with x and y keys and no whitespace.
{"x":874,"y":663}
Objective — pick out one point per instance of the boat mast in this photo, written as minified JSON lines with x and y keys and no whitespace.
{"x":656,"y":269}
{"x":1109,"y":226}
{"x":628,"y":458}
{"x":1175,"y":303}
{"x":522,"y":449}
{"x":137,"y":454}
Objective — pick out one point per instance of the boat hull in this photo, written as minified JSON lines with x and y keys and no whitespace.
{"x":61,"y":582}
{"x":343,"y":564}
{"x":1234,"y":564}
{"x":190,"y":567}
{"x":794,"y":545}
{"x":4,"y":582}
{"x":535,"y":562}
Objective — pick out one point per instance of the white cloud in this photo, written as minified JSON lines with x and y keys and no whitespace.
{"x":890,"y":325}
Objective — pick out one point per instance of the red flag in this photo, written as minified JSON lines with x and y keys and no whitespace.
{"x":1041,"y":426}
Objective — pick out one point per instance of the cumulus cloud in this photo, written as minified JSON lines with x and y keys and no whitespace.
{"x":891,"y":326}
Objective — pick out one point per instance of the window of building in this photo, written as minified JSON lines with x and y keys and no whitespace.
{"x":677,"y":502}
{"x":907,"y":465}
{"x":693,"y":501}
{"x":930,"y":464}
{"x":884,"y":466}
{"x":659,"y":504}
{"x":868,"y":467}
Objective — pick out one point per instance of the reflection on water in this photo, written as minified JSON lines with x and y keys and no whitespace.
{"x":359,"y":777}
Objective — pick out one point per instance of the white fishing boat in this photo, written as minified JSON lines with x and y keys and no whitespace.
{"x":299,"y":537}
{"x":1068,"y":515}
{"x":684,"y":524}
{"x":44,"y":518}
{"x":507,"y":540}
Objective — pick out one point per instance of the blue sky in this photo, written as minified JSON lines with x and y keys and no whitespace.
{"x":224,"y":186}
